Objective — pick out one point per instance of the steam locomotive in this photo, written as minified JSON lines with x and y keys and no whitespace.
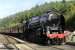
{"x":47,"y":28}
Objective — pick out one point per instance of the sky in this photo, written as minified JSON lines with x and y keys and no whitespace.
{"x":9,"y":7}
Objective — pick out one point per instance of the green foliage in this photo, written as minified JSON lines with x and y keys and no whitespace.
{"x":67,"y":9}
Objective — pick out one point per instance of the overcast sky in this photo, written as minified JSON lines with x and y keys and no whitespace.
{"x":9,"y":7}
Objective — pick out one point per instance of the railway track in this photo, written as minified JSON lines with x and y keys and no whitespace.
{"x":7,"y":43}
{"x":51,"y":47}
{"x":12,"y":43}
{"x":34,"y":46}
{"x":56,"y":47}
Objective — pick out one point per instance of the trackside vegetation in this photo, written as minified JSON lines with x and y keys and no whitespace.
{"x":67,"y":9}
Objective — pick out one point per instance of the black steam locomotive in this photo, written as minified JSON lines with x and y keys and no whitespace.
{"x":47,"y":28}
